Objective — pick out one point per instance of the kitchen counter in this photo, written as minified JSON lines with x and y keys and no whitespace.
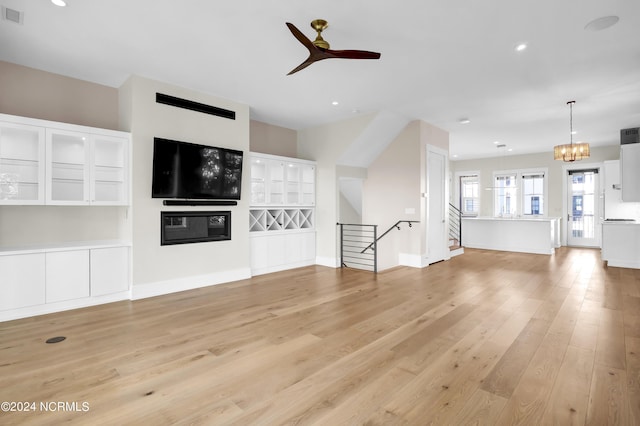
{"x":539,"y":235}
{"x":621,"y":244}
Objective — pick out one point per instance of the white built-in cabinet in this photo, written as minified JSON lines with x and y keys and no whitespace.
{"x":44,"y":162}
{"x":41,"y":280}
{"x":49,"y":163}
{"x":630,"y":172}
{"x":282,"y":213}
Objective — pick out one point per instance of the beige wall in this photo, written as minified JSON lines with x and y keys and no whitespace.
{"x":324,"y":144}
{"x":38,"y":94}
{"x":391,"y":187}
{"x":275,"y":140}
{"x":32,"y":93}
{"x":172,"y":265}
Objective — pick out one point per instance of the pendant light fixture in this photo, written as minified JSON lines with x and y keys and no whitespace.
{"x":572,"y":151}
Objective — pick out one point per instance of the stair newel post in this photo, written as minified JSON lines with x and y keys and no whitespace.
{"x":375,"y":248}
{"x":341,"y":245}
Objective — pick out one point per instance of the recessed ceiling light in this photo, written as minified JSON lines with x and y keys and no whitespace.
{"x":464,"y":121}
{"x":602,"y":23}
{"x":520,"y":47}
{"x":510,"y":149}
{"x":60,"y":3}
{"x":573,"y":132}
{"x":335,"y":103}
{"x":455,"y":155}
{"x":496,"y":142}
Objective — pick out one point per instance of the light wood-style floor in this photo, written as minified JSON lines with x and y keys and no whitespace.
{"x":488,"y":338}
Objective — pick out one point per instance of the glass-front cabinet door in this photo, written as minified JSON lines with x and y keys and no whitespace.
{"x":276,"y":182}
{"x":308,"y":174}
{"x":258,"y":181}
{"x":22,"y":168}
{"x":293,"y":184}
{"x":67,"y":167}
{"x":108,"y":171}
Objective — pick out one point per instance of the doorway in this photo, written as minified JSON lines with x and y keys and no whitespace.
{"x":583,"y":208}
{"x":437,"y":248}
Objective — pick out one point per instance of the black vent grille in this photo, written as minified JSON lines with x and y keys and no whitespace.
{"x":629,"y":136}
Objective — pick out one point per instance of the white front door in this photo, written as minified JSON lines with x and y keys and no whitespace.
{"x":583,"y":208}
{"x":436,"y":220}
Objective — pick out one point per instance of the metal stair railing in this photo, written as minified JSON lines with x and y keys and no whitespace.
{"x":395,"y":225}
{"x":455,"y":224}
{"x":353,"y":237}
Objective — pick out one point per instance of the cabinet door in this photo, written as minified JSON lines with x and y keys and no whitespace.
{"x":109,"y":170}
{"x":275,"y":184}
{"x":109,"y":270}
{"x":294,"y":184}
{"x":308,"y":173}
{"x":258,"y":181}
{"x":67,"y":275}
{"x":22,"y":154}
{"x":630,"y":172}
{"x":67,"y":167}
{"x":23,"y":280}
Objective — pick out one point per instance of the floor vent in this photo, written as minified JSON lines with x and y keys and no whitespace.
{"x":12,"y":15}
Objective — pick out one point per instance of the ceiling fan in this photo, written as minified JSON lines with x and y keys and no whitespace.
{"x":319,"y":48}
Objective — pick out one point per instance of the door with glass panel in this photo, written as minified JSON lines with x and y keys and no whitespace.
{"x":583,"y":208}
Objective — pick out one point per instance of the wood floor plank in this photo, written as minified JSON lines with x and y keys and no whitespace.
{"x":482,"y":409}
{"x":633,"y":378}
{"x":608,"y":403}
{"x":570,"y":396}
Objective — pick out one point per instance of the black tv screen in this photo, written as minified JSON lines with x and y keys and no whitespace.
{"x":187,"y":170}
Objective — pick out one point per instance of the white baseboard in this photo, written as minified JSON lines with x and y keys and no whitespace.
{"x":270,"y":269}
{"x":331,"y":262}
{"x":623,"y":263}
{"x":159,"y":288}
{"x":49,"y":308}
{"x":412,"y":260}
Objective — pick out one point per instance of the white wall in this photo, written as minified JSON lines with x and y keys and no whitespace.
{"x":487,"y":166}
{"x":159,"y":269}
{"x":324,"y":144}
{"x":556,"y":181}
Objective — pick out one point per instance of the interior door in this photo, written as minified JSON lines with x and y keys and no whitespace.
{"x":436,"y":179}
{"x":583,"y":208}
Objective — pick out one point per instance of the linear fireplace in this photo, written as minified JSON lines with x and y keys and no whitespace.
{"x":194,"y":227}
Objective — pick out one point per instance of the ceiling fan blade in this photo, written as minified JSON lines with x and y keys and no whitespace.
{"x":353,"y":54}
{"x":301,"y":37}
{"x":302,"y":66}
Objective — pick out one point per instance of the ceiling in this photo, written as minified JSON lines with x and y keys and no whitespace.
{"x":441,"y":61}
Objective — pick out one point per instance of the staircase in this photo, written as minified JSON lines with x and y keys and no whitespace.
{"x":455,"y":231}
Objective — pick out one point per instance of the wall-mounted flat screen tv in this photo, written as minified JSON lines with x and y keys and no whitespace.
{"x":191,"y":171}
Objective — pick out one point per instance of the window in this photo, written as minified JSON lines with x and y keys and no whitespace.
{"x":533,"y":194}
{"x":469,"y":195}
{"x":520,"y":192}
{"x":505,"y":195}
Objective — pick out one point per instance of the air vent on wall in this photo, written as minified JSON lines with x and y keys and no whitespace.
{"x":161,"y":98}
{"x":628,"y":136}
{"x":12,"y":15}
